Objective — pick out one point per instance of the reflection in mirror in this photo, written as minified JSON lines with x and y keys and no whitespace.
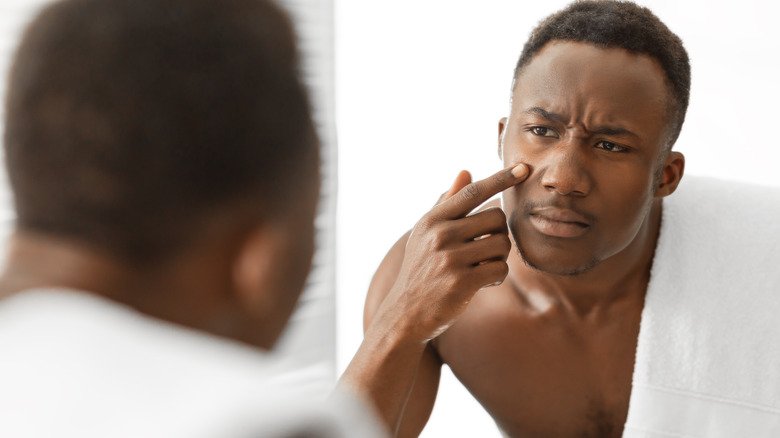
{"x":555,"y":349}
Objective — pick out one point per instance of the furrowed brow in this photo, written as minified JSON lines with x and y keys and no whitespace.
{"x":602,"y":130}
{"x":541,"y":112}
{"x":613,"y":130}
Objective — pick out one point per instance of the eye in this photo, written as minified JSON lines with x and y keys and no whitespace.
{"x":542,"y":131}
{"x":611,"y":147}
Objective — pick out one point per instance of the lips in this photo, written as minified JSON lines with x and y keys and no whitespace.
{"x":559,"y":222}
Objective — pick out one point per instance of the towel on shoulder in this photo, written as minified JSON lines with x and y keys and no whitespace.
{"x":708,"y":354}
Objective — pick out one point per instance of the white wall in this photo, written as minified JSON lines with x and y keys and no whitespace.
{"x":14,"y":14}
{"x":420,"y":88}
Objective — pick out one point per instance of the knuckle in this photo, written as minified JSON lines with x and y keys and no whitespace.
{"x":502,"y":270}
{"x":506,"y":242}
{"x":425,"y":222}
{"x":505,"y":178}
{"x":440,"y":238}
{"x":471,"y":191}
{"x":493,"y":217}
{"x":498,"y":214}
{"x":500,"y":179}
{"x":449,"y":259}
{"x":445,"y":286}
{"x":449,"y":232}
{"x":437,"y":242}
{"x":451,"y":284}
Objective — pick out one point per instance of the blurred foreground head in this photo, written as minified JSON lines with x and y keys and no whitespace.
{"x":174,"y":139}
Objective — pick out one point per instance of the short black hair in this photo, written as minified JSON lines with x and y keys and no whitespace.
{"x":130,"y":121}
{"x":619,"y":24}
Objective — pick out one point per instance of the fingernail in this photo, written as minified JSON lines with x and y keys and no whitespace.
{"x":520,"y":170}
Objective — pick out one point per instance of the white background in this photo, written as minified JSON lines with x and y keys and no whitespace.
{"x":421,"y":86}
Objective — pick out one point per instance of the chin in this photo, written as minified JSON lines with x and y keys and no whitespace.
{"x":552,"y":256}
{"x":556,"y":265}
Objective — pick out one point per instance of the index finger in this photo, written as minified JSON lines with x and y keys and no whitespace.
{"x":474,"y":194}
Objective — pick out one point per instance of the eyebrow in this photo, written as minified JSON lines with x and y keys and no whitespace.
{"x":603,"y":130}
{"x":541,"y":112}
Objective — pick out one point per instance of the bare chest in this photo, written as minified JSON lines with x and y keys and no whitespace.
{"x":540,"y":379}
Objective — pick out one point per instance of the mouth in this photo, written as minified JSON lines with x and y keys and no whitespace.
{"x":557,"y":222}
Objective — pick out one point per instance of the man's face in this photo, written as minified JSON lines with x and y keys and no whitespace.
{"x":592,"y":124}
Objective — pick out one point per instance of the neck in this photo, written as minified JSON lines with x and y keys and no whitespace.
{"x":623,"y":276}
{"x":36,"y":261}
{"x":161,"y":291}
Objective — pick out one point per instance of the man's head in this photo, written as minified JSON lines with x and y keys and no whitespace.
{"x":625,"y":25}
{"x":144,"y":128}
{"x":599,"y":97}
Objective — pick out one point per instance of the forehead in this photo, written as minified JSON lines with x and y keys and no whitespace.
{"x":582,"y":79}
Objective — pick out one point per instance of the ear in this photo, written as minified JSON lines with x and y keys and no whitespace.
{"x":501,"y":128}
{"x":253,"y":270}
{"x":671,"y":174}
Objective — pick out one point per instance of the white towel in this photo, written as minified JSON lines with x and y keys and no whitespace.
{"x":708,"y":354}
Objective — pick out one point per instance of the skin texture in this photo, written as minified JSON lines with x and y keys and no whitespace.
{"x":550,"y":351}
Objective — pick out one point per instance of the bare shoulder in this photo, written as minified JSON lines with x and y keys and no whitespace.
{"x":384,"y":278}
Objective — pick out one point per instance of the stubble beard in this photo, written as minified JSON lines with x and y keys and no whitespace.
{"x":562,"y":272}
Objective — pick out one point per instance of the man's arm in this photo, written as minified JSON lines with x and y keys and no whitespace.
{"x":449,"y":255}
{"x":425,"y":386}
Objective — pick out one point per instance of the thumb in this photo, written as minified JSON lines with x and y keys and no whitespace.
{"x":462,"y":180}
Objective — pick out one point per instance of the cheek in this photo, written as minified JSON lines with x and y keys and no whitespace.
{"x":626,"y":207}
{"x":511,"y":198}
{"x":514,"y":152}
{"x":518,"y":148}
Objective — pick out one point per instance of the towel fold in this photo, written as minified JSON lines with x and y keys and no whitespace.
{"x":708,"y":354}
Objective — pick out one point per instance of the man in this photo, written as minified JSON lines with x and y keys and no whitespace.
{"x":153,"y":147}
{"x":599,"y":98}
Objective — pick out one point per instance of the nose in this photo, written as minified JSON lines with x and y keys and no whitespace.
{"x":565,"y":172}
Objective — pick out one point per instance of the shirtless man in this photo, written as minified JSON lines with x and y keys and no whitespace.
{"x":599,"y":98}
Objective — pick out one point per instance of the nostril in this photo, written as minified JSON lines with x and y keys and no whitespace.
{"x":566,"y":176}
{"x":564,"y":189}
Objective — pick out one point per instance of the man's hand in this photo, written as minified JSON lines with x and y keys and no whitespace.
{"x":449,"y":256}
